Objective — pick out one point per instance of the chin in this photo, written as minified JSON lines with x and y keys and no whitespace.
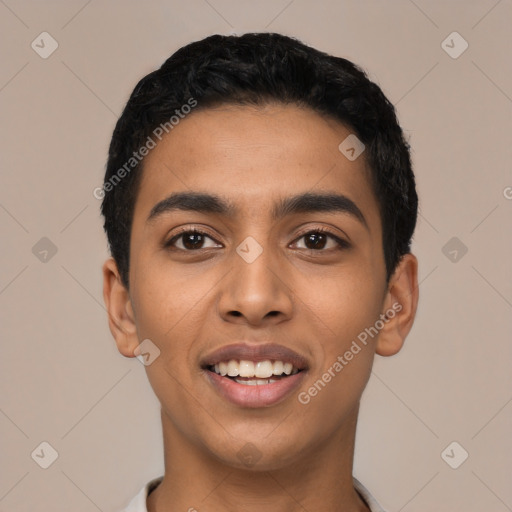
{"x":258,"y":453}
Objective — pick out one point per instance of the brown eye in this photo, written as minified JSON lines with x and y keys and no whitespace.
{"x":190,"y":240}
{"x":315,"y":240}
{"x":318,"y":240}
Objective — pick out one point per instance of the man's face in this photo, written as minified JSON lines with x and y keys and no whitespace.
{"x":251,"y":278}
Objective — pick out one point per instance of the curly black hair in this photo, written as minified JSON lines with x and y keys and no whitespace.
{"x":258,"y":69}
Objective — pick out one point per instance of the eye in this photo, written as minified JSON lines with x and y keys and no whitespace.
{"x":190,"y":240}
{"x":318,"y":240}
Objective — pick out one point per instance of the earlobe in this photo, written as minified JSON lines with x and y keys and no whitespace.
{"x":120,"y":313}
{"x":400,"y":306}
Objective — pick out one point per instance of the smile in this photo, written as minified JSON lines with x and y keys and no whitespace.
{"x":254,"y":375}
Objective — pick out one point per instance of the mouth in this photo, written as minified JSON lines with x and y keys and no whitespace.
{"x":254,"y":373}
{"x":254,"y":376}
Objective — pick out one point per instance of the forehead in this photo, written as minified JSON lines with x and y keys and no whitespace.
{"x":254,"y":157}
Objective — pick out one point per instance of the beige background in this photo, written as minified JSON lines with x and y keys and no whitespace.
{"x":63,"y":380}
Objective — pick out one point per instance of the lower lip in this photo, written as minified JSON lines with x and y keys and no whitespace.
{"x":263,"y":395}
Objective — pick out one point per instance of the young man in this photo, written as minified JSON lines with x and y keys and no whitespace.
{"x":259,"y":204}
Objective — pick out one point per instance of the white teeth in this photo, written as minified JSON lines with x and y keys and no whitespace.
{"x":246,"y":369}
{"x":278,"y":367}
{"x":233,"y":368}
{"x":223,"y":368}
{"x":255,"y":382}
{"x":263,"y":369}
{"x":259,"y":369}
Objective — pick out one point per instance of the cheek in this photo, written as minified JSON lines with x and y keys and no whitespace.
{"x":170,"y":307}
{"x":344,"y":357}
{"x":169,"y":311}
{"x":343,"y":305}
{"x":166,"y":298}
{"x":357,"y":310}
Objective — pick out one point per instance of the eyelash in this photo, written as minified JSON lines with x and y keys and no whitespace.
{"x":342,"y":244}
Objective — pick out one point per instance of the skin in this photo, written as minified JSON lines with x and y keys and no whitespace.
{"x":314,"y":301}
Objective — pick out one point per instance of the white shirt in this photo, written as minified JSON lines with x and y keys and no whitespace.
{"x":138,"y":503}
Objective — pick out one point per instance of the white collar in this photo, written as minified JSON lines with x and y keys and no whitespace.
{"x":138,"y":503}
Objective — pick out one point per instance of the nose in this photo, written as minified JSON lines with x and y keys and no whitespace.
{"x":255,"y":293}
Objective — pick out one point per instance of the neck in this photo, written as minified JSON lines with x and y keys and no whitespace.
{"x":319,"y":480}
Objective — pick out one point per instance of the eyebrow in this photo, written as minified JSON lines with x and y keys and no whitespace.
{"x":302,"y":203}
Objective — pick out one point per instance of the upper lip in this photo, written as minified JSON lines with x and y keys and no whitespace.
{"x":260,"y":352}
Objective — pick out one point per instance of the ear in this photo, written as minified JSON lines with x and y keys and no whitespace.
{"x":400,"y":306}
{"x":119,"y":308}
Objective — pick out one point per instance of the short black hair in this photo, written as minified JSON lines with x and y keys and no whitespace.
{"x":259,"y":69}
